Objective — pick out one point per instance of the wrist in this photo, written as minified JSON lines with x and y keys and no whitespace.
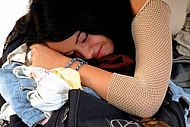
{"x":75,"y":63}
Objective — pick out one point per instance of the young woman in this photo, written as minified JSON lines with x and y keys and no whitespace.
{"x":97,"y":28}
{"x":57,"y":32}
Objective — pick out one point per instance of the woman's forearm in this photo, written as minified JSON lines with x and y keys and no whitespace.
{"x":94,"y":78}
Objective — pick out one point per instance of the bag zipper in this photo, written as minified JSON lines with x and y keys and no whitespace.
{"x":65,"y":114}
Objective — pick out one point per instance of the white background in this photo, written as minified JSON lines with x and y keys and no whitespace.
{"x":10,"y":11}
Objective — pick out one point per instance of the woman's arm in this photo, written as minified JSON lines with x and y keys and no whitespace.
{"x":143,"y":94}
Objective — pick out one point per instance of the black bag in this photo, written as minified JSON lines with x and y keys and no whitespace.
{"x":85,"y":110}
{"x":172,"y":112}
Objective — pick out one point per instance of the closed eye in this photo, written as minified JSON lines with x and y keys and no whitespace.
{"x":86,"y":36}
{"x":73,"y":54}
{"x":69,"y":54}
{"x":82,"y":37}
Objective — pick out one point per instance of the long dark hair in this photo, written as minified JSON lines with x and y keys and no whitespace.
{"x":56,"y":20}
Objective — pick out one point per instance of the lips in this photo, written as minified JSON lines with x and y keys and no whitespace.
{"x":99,"y":53}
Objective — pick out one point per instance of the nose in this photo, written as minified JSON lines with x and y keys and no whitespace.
{"x":86,"y":51}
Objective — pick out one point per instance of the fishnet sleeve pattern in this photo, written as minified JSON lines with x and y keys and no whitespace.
{"x":143,"y":94}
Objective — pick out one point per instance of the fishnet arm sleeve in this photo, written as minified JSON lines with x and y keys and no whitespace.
{"x":143,"y":94}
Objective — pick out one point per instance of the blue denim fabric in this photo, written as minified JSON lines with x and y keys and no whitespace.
{"x":90,"y":91}
{"x":178,"y":92}
{"x":14,"y":91}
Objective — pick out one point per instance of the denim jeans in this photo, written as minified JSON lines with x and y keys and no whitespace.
{"x":14,"y":91}
{"x":90,"y":91}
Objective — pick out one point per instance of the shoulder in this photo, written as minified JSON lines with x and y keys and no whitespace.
{"x":136,"y":5}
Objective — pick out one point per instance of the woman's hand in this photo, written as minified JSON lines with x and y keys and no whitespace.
{"x":43,"y":56}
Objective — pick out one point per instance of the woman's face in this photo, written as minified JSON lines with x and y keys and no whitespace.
{"x":84,"y":45}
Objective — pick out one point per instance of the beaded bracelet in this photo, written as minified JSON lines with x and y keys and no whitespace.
{"x":76,"y":59}
{"x":72,"y":61}
{"x":80,"y":64}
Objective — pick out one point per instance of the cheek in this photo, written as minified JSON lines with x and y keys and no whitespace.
{"x":109,"y":49}
{"x":109,"y":46}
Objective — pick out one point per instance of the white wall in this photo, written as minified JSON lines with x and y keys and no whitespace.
{"x":10,"y":11}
